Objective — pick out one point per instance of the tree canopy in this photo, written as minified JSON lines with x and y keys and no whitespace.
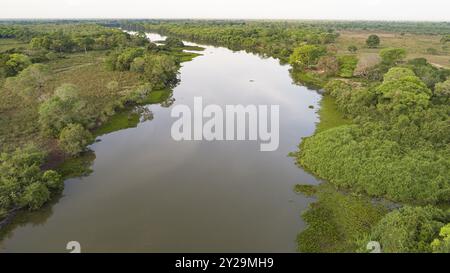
{"x":373,"y":41}
{"x":306,"y":56}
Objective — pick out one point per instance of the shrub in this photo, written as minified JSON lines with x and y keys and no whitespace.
{"x":402,"y":92}
{"x":16,"y":63}
{"x":432,"y":51}
{"x":29,"y":83}
{"x":409,"y":229}
{"x":442,"y":92}
{"x":159,"y":70}
{"x":126,"y":57}
{"x":373,"y":41}
{"x":74,"y":138}
{"x":53,"y":180}
{"x":35,"y":195}
{"x":366,"y":160}
{"x":173,"y":42}
{"x":306,"y":56}
{"x":392,"y":56}
{"x":442,"y":244}
{"x":347,"y":65}
{"x":22,"y":183}
{"x":63,"y":108}
{"x":429,"y":74}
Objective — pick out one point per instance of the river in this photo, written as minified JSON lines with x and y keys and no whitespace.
{"x":149,"y":193}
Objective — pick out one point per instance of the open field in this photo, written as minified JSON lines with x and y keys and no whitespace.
{"x":416,"y":45}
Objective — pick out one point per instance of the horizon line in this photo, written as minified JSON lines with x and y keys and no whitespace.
{"x":224,"y":19}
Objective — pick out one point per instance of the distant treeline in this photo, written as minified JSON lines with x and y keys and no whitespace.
{"x":416,"y":27}
{"x":390,"y":26}
{"x":277,"y":39}
{"x":395,"y":145}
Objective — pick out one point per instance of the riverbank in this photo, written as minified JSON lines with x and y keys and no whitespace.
{"x":385,"y":135}
{"x":143,"y":170}
{"x":111,"y":99}
{"x":337,"y":221}
{"x":388,"y":149}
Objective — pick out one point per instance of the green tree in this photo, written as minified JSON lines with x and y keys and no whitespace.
{"x":347,"y":65}
{"x":442,"y":244}
{"x":373,"y":41}
{"x":397,"y":73}
{"x":63,"y":108}
{"x":429,"y":74}
{"x":22,"y":183}
{"x":442,"y":92}
{"x":44,"y":42}
{"x":392,"y":56}
{"x":409,"y":229}
{"x":402,"y":92}
{"x":84,"y":43}
{"x":127,"y":56}
{"x":16,"y":63}
{"x":35,"y":195}
{"x":74,"y":138}
{"x":160,"y":70}
{"x":445,"y":39}
{"x":53,"y":180}
{"x":306,"y":56}
{"x":173,"y":42}
{"x":111,"y":60}
{"x":140,"y":39}
{"x":30,"y":82}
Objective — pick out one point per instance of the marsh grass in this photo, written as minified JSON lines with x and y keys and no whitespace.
{"x":330,"y":116}
{"x":337,"y":221}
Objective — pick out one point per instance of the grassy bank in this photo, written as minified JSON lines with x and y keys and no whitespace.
{"x":60,"y":90}
{"x":384,"y":122}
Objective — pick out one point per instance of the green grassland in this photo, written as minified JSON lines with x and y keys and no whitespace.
{"x":329,"y":115}
{"x":416,"y":45}
{"x":18,"y":122}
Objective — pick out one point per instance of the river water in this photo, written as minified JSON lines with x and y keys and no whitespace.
{"x":149,"y":193}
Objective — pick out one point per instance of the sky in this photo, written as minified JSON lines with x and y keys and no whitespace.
{"x":429,"y":10}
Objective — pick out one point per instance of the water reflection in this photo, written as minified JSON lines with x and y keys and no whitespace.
{"x":149,"y":193}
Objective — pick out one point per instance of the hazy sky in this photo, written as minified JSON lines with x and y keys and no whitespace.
{"x":437,"y":10}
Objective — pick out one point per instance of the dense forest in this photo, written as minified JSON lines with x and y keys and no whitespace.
{"x":394,"y":145}
{"x":386,"y":160}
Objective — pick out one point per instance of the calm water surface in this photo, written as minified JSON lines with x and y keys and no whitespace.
{"x":149,"y":193}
